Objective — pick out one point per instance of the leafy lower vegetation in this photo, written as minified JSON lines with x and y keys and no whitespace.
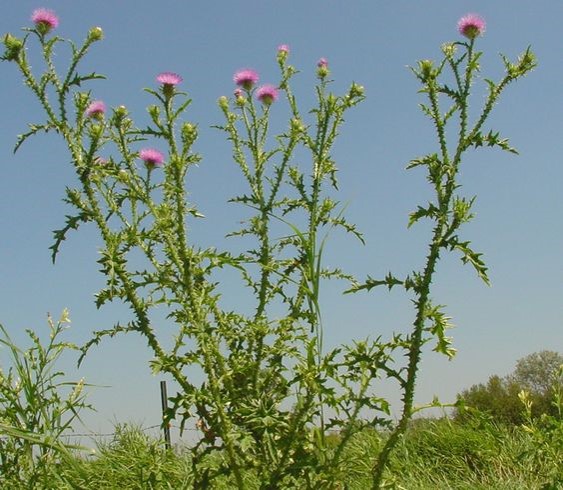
{"x":434,"y":454}
{"x":274,"y":408}
{"x":476,"y":448}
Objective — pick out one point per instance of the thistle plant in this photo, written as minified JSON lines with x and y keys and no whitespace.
{"x":131,"y":185}
{"x":447,"y":105}
{"x":270,"y":393}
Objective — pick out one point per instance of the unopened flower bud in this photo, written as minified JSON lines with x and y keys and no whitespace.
{"x":13,"y":47}
{"x":120,"y":112}
{"x":96,"y":131}
{"x":82,"y":99}
{"x":123,"y":176}
{"x":297,"y":126}
{"x":154,"y":111}
{"x":95,"y":34}
{"x":356,"y":91}
{"x":426,"y":69}
{"x":240,"y":99}
{"x":189,"y":133}
{"x":223,"y":102}
{"x":322,"y":68}
{"x":449,"y":50}
{"x":283,"y":53}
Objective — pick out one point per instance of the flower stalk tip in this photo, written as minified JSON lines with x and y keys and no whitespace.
{"x":95,"y":34}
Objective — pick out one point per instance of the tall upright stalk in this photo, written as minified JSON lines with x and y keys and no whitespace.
{"x":449,"y":210}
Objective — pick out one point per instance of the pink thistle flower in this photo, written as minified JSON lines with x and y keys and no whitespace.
{"x":169,"y":78}
{"x":96,"y":109}
{"x":239,"y":97}
{"x":45,"y":20}
{"x":267,"y":94}
{"x":152,"y":158}
{"x":246,"y":78}
{"x":471,"y":26}
{"x":283,"y":53}
{"x":322,"y":68}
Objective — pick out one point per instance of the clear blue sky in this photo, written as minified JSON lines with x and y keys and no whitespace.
{"x":519,"y":224}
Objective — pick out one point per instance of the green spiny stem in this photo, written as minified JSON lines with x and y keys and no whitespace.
{"x":224,"y":422}
{"x":464,"y":93}
{"x":136,"y":304}
{"x":348,"y":431}
{"x":186,"y":259}
{"x":66,"y":83}
{"x":296,"y":425}
{"x":32,"y":84}
{"x":423,"y":290}
{"x":414,"y":360}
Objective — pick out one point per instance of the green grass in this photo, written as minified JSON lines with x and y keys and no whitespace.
{"x":434,"y":454}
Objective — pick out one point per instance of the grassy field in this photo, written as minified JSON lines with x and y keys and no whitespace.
{"x":435,"y":454}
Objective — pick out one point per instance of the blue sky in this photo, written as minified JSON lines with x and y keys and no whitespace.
{"x":519,"y":224}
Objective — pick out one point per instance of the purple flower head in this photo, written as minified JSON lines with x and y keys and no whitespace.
{"x":267,"y":94}
{"x":152,"y":158}
{"x":471,"y":26}
{"x":44,"y":20}
{"x":246,"y":78}
{"x":238,"y":93}
{"x":96,"y":109}
{"x":322,"y":63}
{"x":169,"y":78}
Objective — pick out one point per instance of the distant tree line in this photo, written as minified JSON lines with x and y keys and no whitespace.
{"x":539,"y":374}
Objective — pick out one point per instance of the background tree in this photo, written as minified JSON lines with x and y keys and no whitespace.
{"x":536,"y":374}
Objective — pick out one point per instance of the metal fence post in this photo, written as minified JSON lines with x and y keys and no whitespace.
{"x":164,"y":402}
